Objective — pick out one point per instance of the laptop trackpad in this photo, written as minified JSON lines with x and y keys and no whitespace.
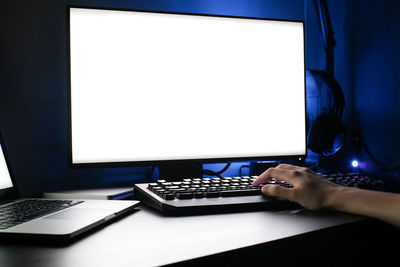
{"x":79,"y":214}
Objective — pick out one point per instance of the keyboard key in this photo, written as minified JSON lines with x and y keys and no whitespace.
{"x":172,"y":187}
{"x":160,"y":191}
{"x":176,"y":190}
{"x":168,"y":196}
{"x":155,"y":188}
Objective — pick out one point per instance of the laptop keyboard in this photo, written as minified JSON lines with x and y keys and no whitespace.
{"x":25,"y":210}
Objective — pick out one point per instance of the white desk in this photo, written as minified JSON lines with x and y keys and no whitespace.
{"x":135,"y":240}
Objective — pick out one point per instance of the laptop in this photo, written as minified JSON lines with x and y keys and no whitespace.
{"x":53,"y":219}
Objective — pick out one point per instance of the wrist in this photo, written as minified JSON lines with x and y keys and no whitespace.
{"x":334,"y":197}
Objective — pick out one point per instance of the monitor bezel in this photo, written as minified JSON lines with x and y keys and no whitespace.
{"x":71,"y":164}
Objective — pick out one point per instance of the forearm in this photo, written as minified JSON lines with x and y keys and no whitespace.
{"x":379,"y":205}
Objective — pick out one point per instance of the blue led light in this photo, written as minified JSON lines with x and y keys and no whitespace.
{"x":354,"y":163}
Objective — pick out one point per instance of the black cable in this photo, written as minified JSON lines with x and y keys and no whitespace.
{"x":225,"y":168}
{"x":218,"y":173}
{"x":211,"y":173}
{"x":377,"y":162}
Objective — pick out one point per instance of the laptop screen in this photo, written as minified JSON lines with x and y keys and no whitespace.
{"x":5,"y":177}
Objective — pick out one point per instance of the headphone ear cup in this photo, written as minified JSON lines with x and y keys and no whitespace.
{"x":326,"y":136}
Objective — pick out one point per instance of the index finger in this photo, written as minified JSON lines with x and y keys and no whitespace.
{"x":280,"y":174}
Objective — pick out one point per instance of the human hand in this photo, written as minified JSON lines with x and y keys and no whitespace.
{"x":309,"y":189}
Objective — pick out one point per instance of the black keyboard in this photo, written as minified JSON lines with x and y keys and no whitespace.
{"x":219,"y":195}
{"x":205,"y":195}
{"x":28,"y":209}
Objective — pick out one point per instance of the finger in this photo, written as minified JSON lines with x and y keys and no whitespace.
{"x":265,"y":176}
{"x":288,"y":176}
{"x":262,"y":178}
{"x":277,"y":191}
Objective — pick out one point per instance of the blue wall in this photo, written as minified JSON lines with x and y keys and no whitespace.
{"x":367,"y":67}
{"x":376,"y":80}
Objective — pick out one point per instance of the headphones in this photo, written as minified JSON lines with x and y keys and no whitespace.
{"x":326,"y":133}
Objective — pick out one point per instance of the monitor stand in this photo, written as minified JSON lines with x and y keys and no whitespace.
{"x":179,"y":171}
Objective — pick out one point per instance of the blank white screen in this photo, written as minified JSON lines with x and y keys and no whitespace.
{"x":151,"y":86}
{"x":5,"y":178}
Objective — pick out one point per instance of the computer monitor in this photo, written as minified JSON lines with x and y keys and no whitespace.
{"x":154,"y":87}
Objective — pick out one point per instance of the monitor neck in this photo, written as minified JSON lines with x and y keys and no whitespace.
{"x":179,"y":171}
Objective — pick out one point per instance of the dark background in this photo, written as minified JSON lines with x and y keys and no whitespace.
{"x":33,"y":80}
